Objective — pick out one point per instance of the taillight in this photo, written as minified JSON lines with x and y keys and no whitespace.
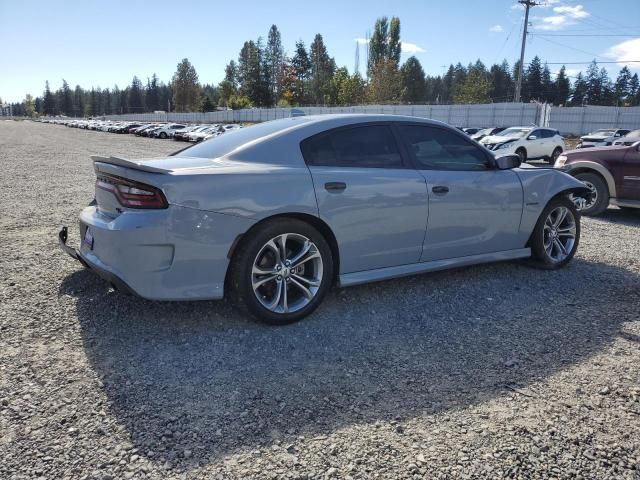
{"x":132,"y":194}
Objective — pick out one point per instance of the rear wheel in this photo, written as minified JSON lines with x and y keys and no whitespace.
{"x":163,"y":135}
{"x":281,"y":271}
{"x":598,"y":199}
{"x":555,"y":239}
{"x":522,"y":153}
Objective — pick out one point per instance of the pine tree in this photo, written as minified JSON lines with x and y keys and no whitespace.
{"x":607,"y":96}
{"x":105,"y":102}
{"x":49,"y":102}
{"x":302,"y":70}
{"x":413,"y":81}
{"x":548,"y":90}
{"x":562,"y":87}
{"x":634,"y":90}
{"x":394,"y":46}
{"x":579,"y":94}
{"x":152,"y":96}
{"x":78,"y":102}
{"x":136,"y":99}
{"x":250,"y":75}
{"x":594,"y":84}
{"x":385,"y":83}
{"x":66,"y":99}
{"x":532,"y":81}
{"x":186,"y":89}
{"x":322,"y":69}
{"x":474,"y":88}
{"x":208,"y":105}
{"x":621,"y":88}
{"x":500,"y":83}
{"x":274,"y":59}
{"x":378,"y":43}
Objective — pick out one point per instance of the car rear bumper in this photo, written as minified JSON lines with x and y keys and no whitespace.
{"x":110,"y":277}
{"x":177,"y":253}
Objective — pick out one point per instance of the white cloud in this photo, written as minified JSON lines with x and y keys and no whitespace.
{"x":576,"y":11}
{"x":564,"y":16}
{"x":496,"y":28}
{"x":625,"y":51}
{"x":408,"y":47}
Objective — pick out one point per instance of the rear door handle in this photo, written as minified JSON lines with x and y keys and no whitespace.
{"x":335,"y":187}
{"x":440,"y":189}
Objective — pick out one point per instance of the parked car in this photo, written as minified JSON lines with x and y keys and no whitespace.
{"x":612,"y":174}
{"x":526,"y":142}
{"x":167,"y":131}
{"x":199,"y":135}
{"x":471,"y":130}
{"x":485,"y":132}
{"x":273,"y":214}
{"x":629,"y":139}
{"x":181,"y":135}
{"x":602,"y":137}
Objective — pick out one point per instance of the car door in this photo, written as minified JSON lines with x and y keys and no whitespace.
{"x":626,"y":172}
{"x":535,"y":147}
{"x":370,"y":196}
{"x":474,"y":208}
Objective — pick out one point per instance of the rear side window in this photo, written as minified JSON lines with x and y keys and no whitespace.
{"x":370,"y":146}
{"x":441,"y":149}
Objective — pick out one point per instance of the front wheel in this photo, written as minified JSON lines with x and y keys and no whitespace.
{"x":556,"y":236}
{"x":598,"y":199}
{"x":522,"y":153}
{"x":163,"y":135}
{"x":554,"y":156}
{"x":281,"y":271}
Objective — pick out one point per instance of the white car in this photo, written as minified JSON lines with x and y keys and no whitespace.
{"x":602,"y":138}
{"x":526,"y":142}
{"x":200,"y":135}
{"x":168,"y":130}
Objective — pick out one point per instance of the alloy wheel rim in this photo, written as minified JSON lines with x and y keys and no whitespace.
{"x":559,"y":234}
{"x":582,"y":203}
{"x":287,"y":273}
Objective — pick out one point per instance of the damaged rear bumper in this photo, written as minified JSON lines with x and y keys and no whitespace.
{"x":110,"y":277}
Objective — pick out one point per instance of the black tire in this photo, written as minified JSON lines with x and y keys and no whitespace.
{"x":539,"y":253}
{"x":240,"y":276}
{"x":602,"y":199}
{"x":554,"y":156}
{"x":522,"y":153}
{"x":163,"y":135}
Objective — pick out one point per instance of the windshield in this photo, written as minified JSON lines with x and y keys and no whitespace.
{"x":633,"y":134}
{"x":514,"y":132}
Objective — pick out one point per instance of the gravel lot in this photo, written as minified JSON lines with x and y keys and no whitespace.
{"x":498,"y":371}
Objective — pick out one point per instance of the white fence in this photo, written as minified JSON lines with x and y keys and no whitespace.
{"x":568,"y":120}
{"x":458,"y":115}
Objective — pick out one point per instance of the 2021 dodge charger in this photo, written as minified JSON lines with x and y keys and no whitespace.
{"x":273,"y":214}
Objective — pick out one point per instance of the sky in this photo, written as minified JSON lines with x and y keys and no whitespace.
{"x":107,"y":43}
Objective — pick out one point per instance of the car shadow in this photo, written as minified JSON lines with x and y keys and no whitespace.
{"x":199,"y":377}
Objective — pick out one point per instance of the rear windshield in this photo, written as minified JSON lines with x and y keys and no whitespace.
{"x":233,"y":139}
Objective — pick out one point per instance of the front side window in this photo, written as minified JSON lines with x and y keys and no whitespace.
{"x":370,"y":146}
{"x":440,"y":149}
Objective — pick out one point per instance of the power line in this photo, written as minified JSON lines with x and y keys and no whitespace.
{"x":579,"y":35}
{"x":569,"y":47}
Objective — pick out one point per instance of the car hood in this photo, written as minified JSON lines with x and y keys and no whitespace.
{"x":596,"y":153}
{"x":595,"y":137}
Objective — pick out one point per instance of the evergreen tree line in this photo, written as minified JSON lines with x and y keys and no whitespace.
{"x":264,"y":75}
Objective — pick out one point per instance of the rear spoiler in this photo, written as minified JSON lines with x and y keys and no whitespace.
{"x":126,"y":163}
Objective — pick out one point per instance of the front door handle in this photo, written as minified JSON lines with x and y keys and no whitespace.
{"x":440,"y":189}
{"x":335,"y":187}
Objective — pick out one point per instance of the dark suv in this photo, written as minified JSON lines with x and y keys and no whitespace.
{"x":611,"y":173}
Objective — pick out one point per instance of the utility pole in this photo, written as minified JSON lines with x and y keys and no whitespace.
{"x":527,"y":5}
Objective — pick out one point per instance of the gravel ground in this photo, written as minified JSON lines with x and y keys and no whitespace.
{"x":497,"y":371}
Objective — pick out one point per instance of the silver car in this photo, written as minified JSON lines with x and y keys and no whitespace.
{"x":272,"y":215}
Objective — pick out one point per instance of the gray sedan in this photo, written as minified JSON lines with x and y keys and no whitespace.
{"x":272,"y":215}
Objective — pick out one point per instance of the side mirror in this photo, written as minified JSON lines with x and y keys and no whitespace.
{"x":508,"y":162}
{"x":532,"y":137}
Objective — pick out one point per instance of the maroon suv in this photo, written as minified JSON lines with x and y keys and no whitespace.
{"x":611,"y":173}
